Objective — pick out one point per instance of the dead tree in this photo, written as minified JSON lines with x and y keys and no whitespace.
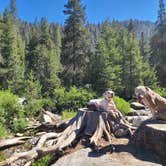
{"x":95,"y":125}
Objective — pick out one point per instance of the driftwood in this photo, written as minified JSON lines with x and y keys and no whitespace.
{"x":93,"y":125}
{"x":12,"y":142}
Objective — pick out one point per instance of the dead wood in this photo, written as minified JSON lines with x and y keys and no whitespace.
{"x":93,"y":124}
{"x":12,"y":142}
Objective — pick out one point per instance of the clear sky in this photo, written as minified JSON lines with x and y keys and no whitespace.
{"x":96,"y":10}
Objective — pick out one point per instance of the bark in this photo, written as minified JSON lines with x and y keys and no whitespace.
{"x":94,"y":125}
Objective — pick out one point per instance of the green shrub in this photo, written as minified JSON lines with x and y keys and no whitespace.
{"x":161,"y":92}
{"x":122,"y":105}
{"x":68,"y":114}
{"x":73,"y":99}
{"x":19,"y":124}
{"x":3,"y":131}
{"x":9,"y":108}
{"x":34,"y":106}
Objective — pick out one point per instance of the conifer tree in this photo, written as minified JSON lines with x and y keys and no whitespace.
{"x":75,"y":44}
{"x":13,"y":11}
{"x":43,"y":61}
{"x":12,"y":53}
{"x":135,"y":70}
{"x":158,"y":45}
{"x":105,"y":69}
{"x":161,"y":21}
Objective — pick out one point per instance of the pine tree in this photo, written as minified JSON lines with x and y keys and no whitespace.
{"x":158,"y":45}
{"x":13,"y":11}
{"x":43,"y":61}
{"x":161,"y":21}
{"x":105,"y":67}
{"x":75,"y":44}
{"x":12,"y":52}
{"x":135,"y":70}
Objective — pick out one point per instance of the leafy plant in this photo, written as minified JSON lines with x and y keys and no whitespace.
{"x":3,"y":131}
{"x":122,"y":105}
{"x":73,"y":99}
{"x":43,"y":161}
{"x":9,"y":108}
{"x":68,"y":114}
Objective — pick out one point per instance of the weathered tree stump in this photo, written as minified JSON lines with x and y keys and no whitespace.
{"x":151,"y":135}
{"x":94,"y":125}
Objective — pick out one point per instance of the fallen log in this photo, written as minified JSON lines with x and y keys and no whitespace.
{"x":95,"y":125}
{"x":12,"y":142}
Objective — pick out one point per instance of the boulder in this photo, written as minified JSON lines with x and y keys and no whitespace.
{"x":132,"y":113}
{"x":85,"y":157}
{"x":151,"y":135}
{"x":144,"y":112}
{"x":136,"y":120}
{"x":137,"y":106}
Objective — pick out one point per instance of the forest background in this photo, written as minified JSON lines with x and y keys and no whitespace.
{"x":60,"y":67}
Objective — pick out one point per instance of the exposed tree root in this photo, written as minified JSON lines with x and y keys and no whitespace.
{"x":95,"y":125}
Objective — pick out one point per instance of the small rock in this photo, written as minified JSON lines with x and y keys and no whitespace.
{"x":19,"y":134}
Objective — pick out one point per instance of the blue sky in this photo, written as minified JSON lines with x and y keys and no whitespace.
{"x":96,"y":10}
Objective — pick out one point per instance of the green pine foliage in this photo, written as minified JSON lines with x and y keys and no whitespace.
{"x":43,"y":60}
{"x":75,"y":45}
{"x":158,"y":45}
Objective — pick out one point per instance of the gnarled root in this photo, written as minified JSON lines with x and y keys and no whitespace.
{"x":95,"y":125}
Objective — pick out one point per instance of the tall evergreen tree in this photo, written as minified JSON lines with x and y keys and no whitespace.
{"x":75,"y":44}
{"x":104,"y":65}
{"x":13,"y":10}
{"x":43,"y":61}
{"x":144,"y":48}
{"x":135,"y":70}
{"x":158,"y":45}
{"x":161,"y":21}
{"x":12,"y":52}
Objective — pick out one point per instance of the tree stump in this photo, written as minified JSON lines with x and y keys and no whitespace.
{"x":151,"y":135}
{"x":94,"y":125}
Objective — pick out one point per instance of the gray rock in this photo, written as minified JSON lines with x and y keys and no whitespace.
{"x":137,"y":120}
{"x":85,"y":157}
{"x":137,"y":106}
{"x":144,"y":112}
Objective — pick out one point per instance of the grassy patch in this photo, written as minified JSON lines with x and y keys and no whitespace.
{"x":43,"y":161}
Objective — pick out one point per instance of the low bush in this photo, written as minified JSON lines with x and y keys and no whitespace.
{"x":73,"y":99}
{"x":3,"y":131}
{"x":122,"y":105}
{"x":19,"y":125}
{"x":161,"y":92}
{"x":9,"y":108}
{"x":68,"y":114}
{"x":34,"y":106}
{"x":43,"y":161}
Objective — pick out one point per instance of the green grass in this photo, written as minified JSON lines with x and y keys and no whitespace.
{"x":43,"y":161}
